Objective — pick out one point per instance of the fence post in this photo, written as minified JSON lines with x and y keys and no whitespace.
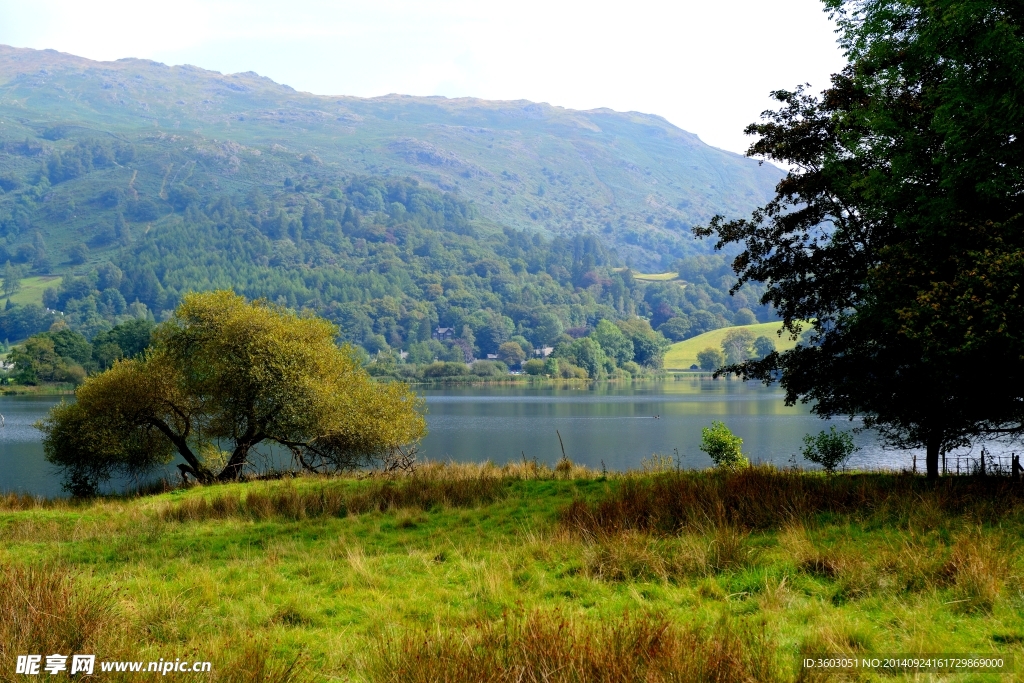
{"x":1015,"y":467}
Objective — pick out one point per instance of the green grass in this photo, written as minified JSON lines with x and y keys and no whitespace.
{"x":681,"y":355}
{"x":370,"y":580}
{"x":32,"y":289}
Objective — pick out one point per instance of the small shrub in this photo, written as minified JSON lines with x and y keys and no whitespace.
{"x":829,"y":449}
{"x":534,"y":367}
{"x":722,"y":446}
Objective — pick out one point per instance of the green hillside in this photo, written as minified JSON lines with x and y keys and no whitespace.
{"x":134,"y":183}
{"x":681,"y":355}
{"x":633,"y":178}
{"x":32,"y":289}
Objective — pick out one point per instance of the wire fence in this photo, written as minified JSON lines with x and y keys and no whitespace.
{"x":984,"y":463}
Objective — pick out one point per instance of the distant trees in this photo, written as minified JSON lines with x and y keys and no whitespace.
{"x":65,"y":355}
{"x":763,"y":347}
{"x":675,"y":329}
{"x":511,"y":354}
{"x":613,"y":342}
{"x":710,"y":359}
{"x":11,"y":279}
{"x":37,"y":360}
{"x":224,"y":372}
{"x":736,"y":345}
{"x":899,"y":229}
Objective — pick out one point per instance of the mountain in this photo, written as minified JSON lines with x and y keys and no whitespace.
{"x":635,"y":179}
{"x":391,"y":216}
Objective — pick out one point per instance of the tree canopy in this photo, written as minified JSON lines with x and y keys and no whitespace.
{"x":899,"y":229}
{"x":223,"y":376}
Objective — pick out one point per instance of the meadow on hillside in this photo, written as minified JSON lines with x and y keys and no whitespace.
{"x":682,"y":355}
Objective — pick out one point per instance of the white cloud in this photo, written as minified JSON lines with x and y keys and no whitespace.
{"x":707,"y":67}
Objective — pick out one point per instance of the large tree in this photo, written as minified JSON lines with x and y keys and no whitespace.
{"x":898,"y":230}
{"x":222,"y":377}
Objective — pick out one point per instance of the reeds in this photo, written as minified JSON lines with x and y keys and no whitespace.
{"x":638,"y":556}
{"x":548,"y":647}
{"x":422,"y":491}
{"x":764,"y":497}
{"x":43,"y":609}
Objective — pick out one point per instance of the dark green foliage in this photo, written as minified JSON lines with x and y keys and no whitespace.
{"x":900,"y":235}
{"x":675,"y":329}
{"x":19,"y":322}
{"x":586,"y":353}
{"x":38,"y":360}
{"x":763,"y":346}
{"x":71,"y":345}
{"x":126,"y":340}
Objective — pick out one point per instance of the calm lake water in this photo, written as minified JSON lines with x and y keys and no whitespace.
{"x":611,"y":424}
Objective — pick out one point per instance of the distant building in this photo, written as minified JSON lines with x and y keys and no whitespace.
{"x":492,"y":356}
{"x":444,"y":333}
{"x":543,"y":352}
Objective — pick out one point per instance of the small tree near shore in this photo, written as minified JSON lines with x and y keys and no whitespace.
{"x":224,"y":375}
{"x":829,"y":449}
{"x":710,"y":359}
{"x":722,"y":446}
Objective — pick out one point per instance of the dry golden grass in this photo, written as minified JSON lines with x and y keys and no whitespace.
{"x":43,"y":609}
{"x":547,"y":647}
{"x":764,"y":497}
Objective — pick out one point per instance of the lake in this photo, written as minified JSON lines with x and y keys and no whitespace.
{"x":610,"y":425}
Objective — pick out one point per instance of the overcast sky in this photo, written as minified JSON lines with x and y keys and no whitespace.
{"x":707,"y":66}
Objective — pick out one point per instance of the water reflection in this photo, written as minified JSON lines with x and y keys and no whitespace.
{"x":613,"y":425}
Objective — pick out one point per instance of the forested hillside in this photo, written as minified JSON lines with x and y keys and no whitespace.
{"x":634,"y":178}
{"x":139,"y":182}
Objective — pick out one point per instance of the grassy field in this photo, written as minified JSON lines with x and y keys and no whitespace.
{"x":656,"y":277}
{"x":468,"y":573}
{"x":681,"y":355}
{"x":32,"y":289}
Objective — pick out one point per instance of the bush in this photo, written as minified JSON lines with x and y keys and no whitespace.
{"x":710,"y":359}
{"x":829,"y":449}
{"x":489,"y":368}
{"x":445,"y":369}
{"x":722,"y":445}
{"x":632,"y":368}
{"x":534,"y":367}
{"x":569,"y":371}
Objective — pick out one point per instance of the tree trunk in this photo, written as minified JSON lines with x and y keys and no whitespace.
{"x":932,"y":454}
{"x":203,"y":475}
{"x":233,"y":470}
